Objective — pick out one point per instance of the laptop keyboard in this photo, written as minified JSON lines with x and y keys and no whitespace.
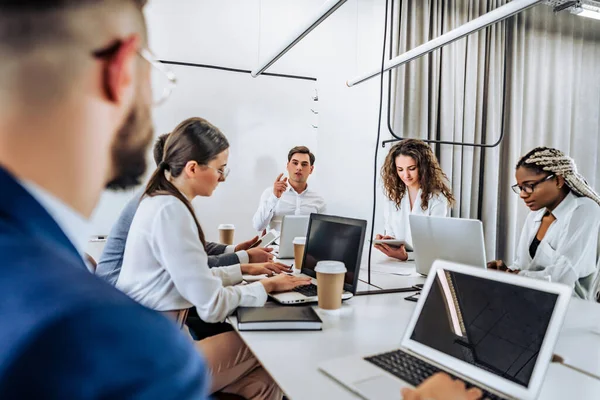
{"x":307,"y":290}
{"x":413,"y":370}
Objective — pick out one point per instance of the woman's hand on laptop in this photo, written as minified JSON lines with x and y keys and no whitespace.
{"x":497,"y":265}
{"x":267,"y":268}
{"x":284,"y":283}
{"x":260,"y":255}
{"x":500,"y":266}
{"x":441,"y":387}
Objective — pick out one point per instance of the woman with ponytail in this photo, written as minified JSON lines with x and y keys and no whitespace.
{"x":560,"y":236}
{"x":165,"y":263}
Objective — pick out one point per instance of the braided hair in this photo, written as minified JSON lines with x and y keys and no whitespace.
{"x":546,"y":159}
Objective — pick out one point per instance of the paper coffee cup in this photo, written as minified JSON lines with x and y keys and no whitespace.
{"x":330,"y":284}
{"x":299,"y":243}
{"x":226,"y":233}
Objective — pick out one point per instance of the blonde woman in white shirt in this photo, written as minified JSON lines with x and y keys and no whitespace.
{"x":559,"y":240}
{"x":413,"y":183}
{"x":165,"y":263}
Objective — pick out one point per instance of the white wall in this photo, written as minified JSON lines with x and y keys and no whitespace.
{"x":234,"y":33}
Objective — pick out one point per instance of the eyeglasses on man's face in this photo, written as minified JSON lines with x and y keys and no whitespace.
{"x":162,"y":79}
{"x":530,"y":187}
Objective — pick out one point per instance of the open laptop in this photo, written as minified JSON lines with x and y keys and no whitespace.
{"x":292,"y":226}
{"x":451,"y":239}
{"x":493,"y":330}
{"x":329,"y":238}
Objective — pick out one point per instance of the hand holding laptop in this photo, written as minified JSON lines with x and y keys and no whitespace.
{"x":441,"y":387}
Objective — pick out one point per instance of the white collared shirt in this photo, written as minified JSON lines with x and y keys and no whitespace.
{"x":271,"y":209}
{"x":396,"y":219}
{"x":73,"y":224}
{"x":568,"y":251}
{"x":165,"y":266}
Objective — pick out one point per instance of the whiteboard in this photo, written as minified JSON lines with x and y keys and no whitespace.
{"x":262,"y":118}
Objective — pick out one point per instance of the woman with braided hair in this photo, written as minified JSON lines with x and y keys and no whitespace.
{"x":560,"y":236}
{"x":413,"y":183}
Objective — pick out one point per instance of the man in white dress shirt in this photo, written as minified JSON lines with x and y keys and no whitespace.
{"x":289,"y":196}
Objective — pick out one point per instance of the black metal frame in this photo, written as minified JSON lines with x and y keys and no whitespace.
{"x":243,"y":71}
{"x":464,"y":144}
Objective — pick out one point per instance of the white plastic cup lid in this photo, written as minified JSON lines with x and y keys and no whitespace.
{"x":330,"y":267}
{"x":299,"y":240}
{"x":226,"y":226}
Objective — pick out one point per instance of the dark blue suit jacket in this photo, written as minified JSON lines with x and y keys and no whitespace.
{"x":66,"y":334}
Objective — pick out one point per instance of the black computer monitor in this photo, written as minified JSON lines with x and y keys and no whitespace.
{"x":335,"y":238}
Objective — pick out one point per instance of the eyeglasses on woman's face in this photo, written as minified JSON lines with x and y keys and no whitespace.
{"x":529,"y":187}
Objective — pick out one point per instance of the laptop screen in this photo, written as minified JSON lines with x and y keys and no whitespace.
{"x":335,"y":239}
{"x":496,"y":326}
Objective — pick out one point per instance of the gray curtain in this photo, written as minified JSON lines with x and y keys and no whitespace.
{"x":534,"y":77}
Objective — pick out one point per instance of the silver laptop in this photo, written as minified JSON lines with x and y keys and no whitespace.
{"x":329,"y":238}
{"x":494,"y":330}
{"x":451,"y":239}
{"x":292,"y":226}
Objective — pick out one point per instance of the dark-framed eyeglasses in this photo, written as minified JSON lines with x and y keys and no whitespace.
{"x":530,"y":187}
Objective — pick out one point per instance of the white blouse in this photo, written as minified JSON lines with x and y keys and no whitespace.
{"x":165,"y":265}
{"x":396,"y":219}
{"x":568,"y":251}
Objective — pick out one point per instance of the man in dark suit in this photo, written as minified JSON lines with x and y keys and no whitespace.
{"x":75,"y":106}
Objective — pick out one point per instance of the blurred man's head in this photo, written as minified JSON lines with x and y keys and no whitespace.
{"x":75,"y":93}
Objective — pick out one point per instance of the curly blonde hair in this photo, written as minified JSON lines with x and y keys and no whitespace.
{"x":431,"y":177}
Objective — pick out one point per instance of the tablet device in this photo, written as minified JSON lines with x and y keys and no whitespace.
{"x":266,"y":240}
{"x":393,"y":243}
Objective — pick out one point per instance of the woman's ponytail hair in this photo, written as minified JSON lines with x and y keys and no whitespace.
{"x":195,"y":139}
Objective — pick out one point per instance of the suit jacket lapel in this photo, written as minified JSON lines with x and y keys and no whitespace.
{"x":23,"y":212}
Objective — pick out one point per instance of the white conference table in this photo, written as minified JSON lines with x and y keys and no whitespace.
{"x":370,"y":324}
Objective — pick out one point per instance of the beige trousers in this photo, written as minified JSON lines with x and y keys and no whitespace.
{"x":235,"y":370}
